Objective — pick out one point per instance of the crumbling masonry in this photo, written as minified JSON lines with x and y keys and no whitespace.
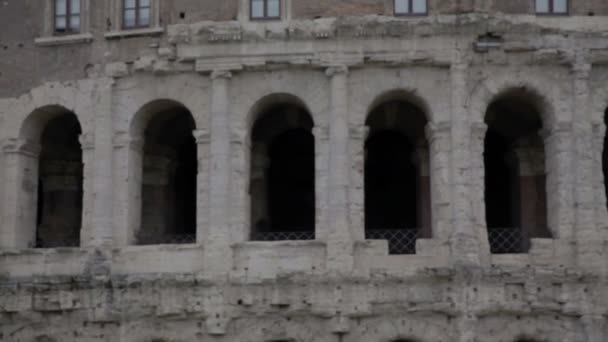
{"x":337,"y":174}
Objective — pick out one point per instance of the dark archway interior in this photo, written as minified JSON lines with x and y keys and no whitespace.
{"x":60,"y":189}
{"x":283,"y":175}
{"x":397,"y":183}
{"x":515,"y":194}
{"x":390,"y":182}
{"x":170,"y":167}
{"x":605,"y":156}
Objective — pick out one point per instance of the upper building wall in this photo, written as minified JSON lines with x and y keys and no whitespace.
{"x":25,"y":64}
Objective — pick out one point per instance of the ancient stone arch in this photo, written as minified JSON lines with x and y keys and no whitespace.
{"x":397,"y":179}
{"x":45,"y":162}
{"x":160,"y":156}
{"x":514,"y":158}
{"x":282,"y":175}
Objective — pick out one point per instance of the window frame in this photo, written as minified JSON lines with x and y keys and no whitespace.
{"x":137,"y":10}
{"x":410,"y":7}
{"x":551,"y":10}
{"x":265,"y":15}
{"x":68,"y":30}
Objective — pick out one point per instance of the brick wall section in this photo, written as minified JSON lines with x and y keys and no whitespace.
{"x":194,"y":11}
{"x":328,"y":8}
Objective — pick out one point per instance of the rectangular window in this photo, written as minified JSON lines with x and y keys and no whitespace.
{"x":67,"y":16}
{"x":265,"y":9}
{"x":552,"y":7}
{"x":136,"y":14}
{"x":410,"y":7}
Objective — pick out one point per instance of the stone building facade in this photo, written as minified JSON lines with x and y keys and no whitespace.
{"x":338,"y":171}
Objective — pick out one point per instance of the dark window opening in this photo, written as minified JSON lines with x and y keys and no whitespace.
{"x":67,"y":16}
{"x":397,"y":183}
{"x":170,"y":167}
{"x":60,"y":176}
{"x":282,"y":186}
{"x":514,"y":159}
{"x":265,"y":9}
{"x":136,"y":14}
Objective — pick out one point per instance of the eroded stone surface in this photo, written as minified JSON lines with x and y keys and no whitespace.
{"x":222,"y":68}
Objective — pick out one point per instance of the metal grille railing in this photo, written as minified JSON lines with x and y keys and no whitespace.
{"x":282,"y":236}
{"x":505,"y":240}
{"x":169,"y":239}
{"x":400,"y":241}
{"x":57,"y":243}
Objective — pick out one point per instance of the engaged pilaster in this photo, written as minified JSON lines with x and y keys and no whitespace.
{"x":587,"y":234}
{"x":128,"y":164}
{"x":340,"y":237}
{"x":18,"y":228}
{"x":218,"y":254}
{"x":464,"y":240}
{"x":102,"y":182}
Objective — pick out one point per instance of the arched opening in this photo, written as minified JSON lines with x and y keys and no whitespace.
{"x":60,"y":179}
{"x":397,"y":182}
{"x":605,"y":156}
{"x":282,"y":185}
{"x":168,"y":189}
{"x":515,"y":186}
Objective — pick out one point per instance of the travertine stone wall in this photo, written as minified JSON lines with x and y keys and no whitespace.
{"x":338,"y":287}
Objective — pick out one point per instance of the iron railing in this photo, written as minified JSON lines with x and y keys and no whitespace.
{"x":168,"y":239}
{"x":505,"y":240}
{"x":57,"y":243}
{"x":282,"y":236}
{"x":400,"y":241}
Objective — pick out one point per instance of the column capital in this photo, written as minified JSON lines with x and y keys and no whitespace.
{"x":237,"y":135}
{"x":479,"y":130}
{"x":122,"y":140}
{"x":87,"y":141}
{"x":320,"y":132}
{"x":358,"y":132}
{"x":201,"y":136}
{"x":436,"y":130}
{"x":336,"y":70}
{"x":558,"y":128}
{"x":21,"y":146}
{"x":221,"y":74}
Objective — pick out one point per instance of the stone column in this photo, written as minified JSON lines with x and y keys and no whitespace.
{"x":217,"y":251}
{"x":87,"y":145}
{"x":478,"y":174}
{"x":423,"y":191}
{"x":128,"y":170}
{"x":529,"y":164}
{"x":558,"y":158}
{"x":358,"y":136}
{"x":464,"y":240}
{"x":203,"y":140}
{"x":103,"y":163}
{"x":340,"y":239}
{"x":587,"y":235}
{"x":18,"y":228}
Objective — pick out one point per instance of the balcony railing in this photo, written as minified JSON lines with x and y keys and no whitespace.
{"x":166,"y":239}
{"x":400,"y":241}
{"x":282,"y":236}
{"x":505,"y":240}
